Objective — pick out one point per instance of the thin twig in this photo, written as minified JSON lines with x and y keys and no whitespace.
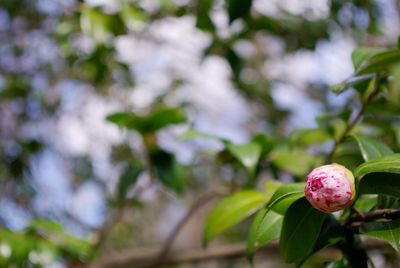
{"x":352,"y":123}
{"x":388,"y":214}
{"x":145,"y":258}
{"x":200,"y":202}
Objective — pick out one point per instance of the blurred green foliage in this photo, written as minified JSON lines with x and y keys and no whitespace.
{"x":366,"y":146}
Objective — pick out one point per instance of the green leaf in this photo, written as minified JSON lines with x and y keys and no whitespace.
{"x":128,"y":179}
{"x":389,"y":164}
{"x":133,"y":17}
{"x":248,"y":155}
{"x":231,"y":210}
{"x":379,"y":62}
{"x":238,"y":9}
{"x":332,"y":231}
{"x":57,"y":236}
{"x":155,"y":121}
{"x":296,"y":161}
{"x":128,"y":120}
{"x":306,"y":137}
{"x":265,"y":142}
{"x":264,"y":229}
{"x":364,"y":53}
{"x":301,"y":227}
{"x":388,"y":231}
{"x":204,"y":21}
{"x":285,"y":196}
{"x":99,"y":25}
{"x":351,"y":82}
{"x":164,"y":117}
{"x":167,"y":169}
{"x":365,"y":203}
{"x":280,"y":201}
{"x":380,"y":183}
{"x":195,"y":134}
{"x":371,"y":148}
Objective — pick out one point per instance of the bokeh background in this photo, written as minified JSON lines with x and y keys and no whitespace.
{"x":234,"y":68}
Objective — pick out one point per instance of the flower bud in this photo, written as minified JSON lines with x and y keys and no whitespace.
{"x":330,"y":188}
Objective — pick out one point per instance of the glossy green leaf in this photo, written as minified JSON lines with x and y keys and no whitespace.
{"x":364,"y":53}
{"x":264,"y":229}
{"x":379,"y":62}
{"x":285,"y":196}
{"x":158,"y":119}
{"x":231,"y":210}
{"x":300,"y":229}
{"x":389,"y":163}
{"x":238,"y":8}
{"x":280,"y":201}
{"x":167,"y":169}
{"x":128,"y":179}
{"x":296,"y":161}
{"x":247,"y":154}
{"x":371,"y":148}
{"x":388,"y":231}
{"x":380,"y":183}
{"x":332,"y":231}
{"x":270,"y":186}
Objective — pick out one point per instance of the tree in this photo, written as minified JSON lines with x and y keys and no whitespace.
{"x":87,"y":65}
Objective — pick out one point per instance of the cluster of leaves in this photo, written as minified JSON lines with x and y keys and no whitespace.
{"x":41,"y":243}
{"x":282,"y":211}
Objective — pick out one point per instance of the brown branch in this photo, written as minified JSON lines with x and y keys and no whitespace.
{"x":388,"y":214}
{"x":200,"y":202}
{"x":145,"y":258}
{"x":106,"y":228}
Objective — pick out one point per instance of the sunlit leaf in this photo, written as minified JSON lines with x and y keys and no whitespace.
{"x":231,"y":210}
{"x":364,"y":53}
{"x":306,"y":137}
{"x":247,"y":154}
{"x":297,"y":161}
{"x":371,"y":148}
{"x":379,"y":62}
{"x":389,"y":164}
{"x":264,"y":229}
{"x":285,"y":196}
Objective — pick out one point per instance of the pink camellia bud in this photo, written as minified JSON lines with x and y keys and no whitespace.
{"x":330,"y":188}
